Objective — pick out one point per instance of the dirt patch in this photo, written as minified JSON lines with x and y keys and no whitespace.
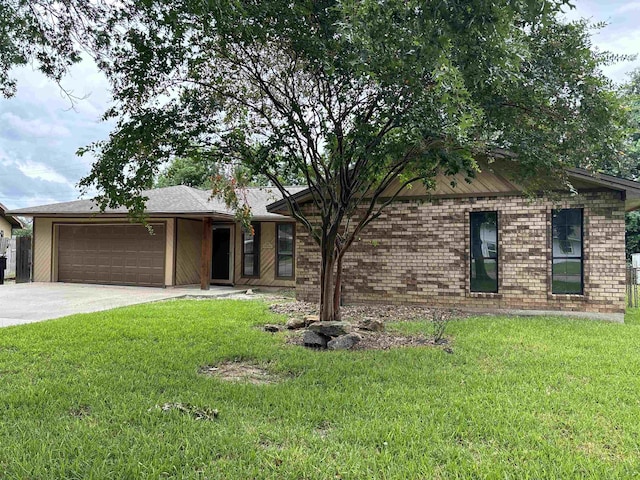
{"x":80,"y":411}
{"x":240,"y":372}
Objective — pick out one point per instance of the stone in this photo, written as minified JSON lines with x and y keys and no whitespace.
{"x":313,"y":339}
{"x":295,"y":323}
{"x":249,"y":292}
{"x":309,"y":319}
{"x":371,"y":325}
{"x":331,"y":329}
{"x":272,"y":328}
{"x":344,"y":342}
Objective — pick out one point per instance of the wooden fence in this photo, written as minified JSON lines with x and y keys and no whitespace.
{"x":23,"y":259}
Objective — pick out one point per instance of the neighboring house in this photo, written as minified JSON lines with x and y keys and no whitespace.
{"x":8,"y":223}
{"x":195,"y":240}
{"x":484,"y":246}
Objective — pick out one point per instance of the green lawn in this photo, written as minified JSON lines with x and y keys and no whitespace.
{"x":518,"y":398}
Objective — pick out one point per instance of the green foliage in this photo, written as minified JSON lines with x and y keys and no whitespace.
{"x":23,"y":232}
{"x":518,"y":398}
{"x":188,"y":171}
{"x":49,"y":35}
{"x":629,"y":162}
{"x":375,"y":88}
{"x":632,"y":233}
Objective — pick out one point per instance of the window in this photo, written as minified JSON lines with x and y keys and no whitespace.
{"x":567,"y":269}
{"x":251,"y":252}
{"x":284,"y":249}
{"x":484,"y":252}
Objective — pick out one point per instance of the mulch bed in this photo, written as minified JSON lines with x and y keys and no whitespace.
{"x":354,"y":313}
{"x":385,"y":313}
{"x":381,"y":340}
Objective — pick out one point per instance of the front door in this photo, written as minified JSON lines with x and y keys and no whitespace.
{"x":221,"y":266}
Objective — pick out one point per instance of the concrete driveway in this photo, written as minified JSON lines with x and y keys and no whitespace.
{"x":34,"y":302}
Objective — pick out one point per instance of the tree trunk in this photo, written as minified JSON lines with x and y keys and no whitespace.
{"x":337,"y":292}
{"x":327,"y":286}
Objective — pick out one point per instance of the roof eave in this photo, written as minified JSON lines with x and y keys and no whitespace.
{"x":36,"y":213}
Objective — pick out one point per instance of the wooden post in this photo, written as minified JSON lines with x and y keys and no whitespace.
{"x":207,"y":252}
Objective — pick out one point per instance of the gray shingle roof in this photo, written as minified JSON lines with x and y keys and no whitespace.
{"x":16,"y":222}
{"x":177,"y":200}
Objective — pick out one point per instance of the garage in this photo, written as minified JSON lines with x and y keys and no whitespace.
{"x":111,"y":254}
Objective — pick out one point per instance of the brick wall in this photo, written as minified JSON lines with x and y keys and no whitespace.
{"x":418,"y":252}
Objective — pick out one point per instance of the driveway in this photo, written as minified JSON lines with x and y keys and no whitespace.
{"x":34,"y":302}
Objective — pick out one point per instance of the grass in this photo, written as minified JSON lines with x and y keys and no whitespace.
{"x":518,"y":398}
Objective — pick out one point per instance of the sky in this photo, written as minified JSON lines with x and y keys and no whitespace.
{"x":40,"y":131}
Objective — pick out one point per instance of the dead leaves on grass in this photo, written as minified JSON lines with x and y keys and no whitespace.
{"x":197,"y":413}
{"x":240,"y":372}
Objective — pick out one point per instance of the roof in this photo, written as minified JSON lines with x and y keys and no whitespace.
{"x":176,"y":200}
{"x":629,"y":188}
{"x":16,"y":222}
{"x":581,"y":178}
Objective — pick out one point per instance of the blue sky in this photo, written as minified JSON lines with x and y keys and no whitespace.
{"x":40,"y":133}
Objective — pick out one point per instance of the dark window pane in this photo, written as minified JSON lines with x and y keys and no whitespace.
{"x":484,"y":275}
{"x":567,"y":251}
{"x":484,"y":252}
{"x":248,"y":265}
{"x":567,"y":276}
{"x":251,"y":252}
{"x":285,"y":239}
{"x":248,"y":243}
{"x":285,"y":266}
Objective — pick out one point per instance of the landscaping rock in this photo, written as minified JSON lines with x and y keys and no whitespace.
{"x":313,"y":339}
{"x":296,"y":323}
{"x":371,"y":325}
{"x":344,"y":342}
{"x":331,"y":329}
{"x":272,"y":328}
{"x":309,"y":319}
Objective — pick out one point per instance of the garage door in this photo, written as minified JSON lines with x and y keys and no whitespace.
{"x":111,"y":254}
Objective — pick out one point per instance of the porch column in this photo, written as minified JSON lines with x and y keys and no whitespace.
{"x":205,"y":256}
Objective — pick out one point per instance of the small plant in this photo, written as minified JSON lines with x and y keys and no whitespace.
{"x":439,"y":323}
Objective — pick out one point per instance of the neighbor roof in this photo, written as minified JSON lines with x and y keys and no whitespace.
{"x":176,"y":200}
{"x":16,"y":222}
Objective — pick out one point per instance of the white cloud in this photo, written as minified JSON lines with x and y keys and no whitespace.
{"x":40,"y":170}
{"x":36,"y":127}
{"x":628,"y":8}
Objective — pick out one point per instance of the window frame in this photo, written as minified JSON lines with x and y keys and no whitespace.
{"x":572,"y":257}
{"x":256,"y":251}
{"x":496,"y":258}
{"x":292,"y":254}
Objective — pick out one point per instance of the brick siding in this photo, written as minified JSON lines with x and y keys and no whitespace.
{"x":418,"y":252}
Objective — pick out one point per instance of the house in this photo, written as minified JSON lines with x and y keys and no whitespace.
{"x":478,"y":246}
{"x":484,"y":246}
{"x":8,"y":223}
{"x":194,"y":240}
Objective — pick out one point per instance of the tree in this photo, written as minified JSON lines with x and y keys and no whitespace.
{"x":195,"y":172}
{"x":51,"y":35}
{"x":188,"y":171}
{"x":360,"y":98}
{"x":628,"y":165}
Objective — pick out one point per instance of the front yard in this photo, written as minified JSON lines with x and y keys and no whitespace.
{"x":122,"y":394}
